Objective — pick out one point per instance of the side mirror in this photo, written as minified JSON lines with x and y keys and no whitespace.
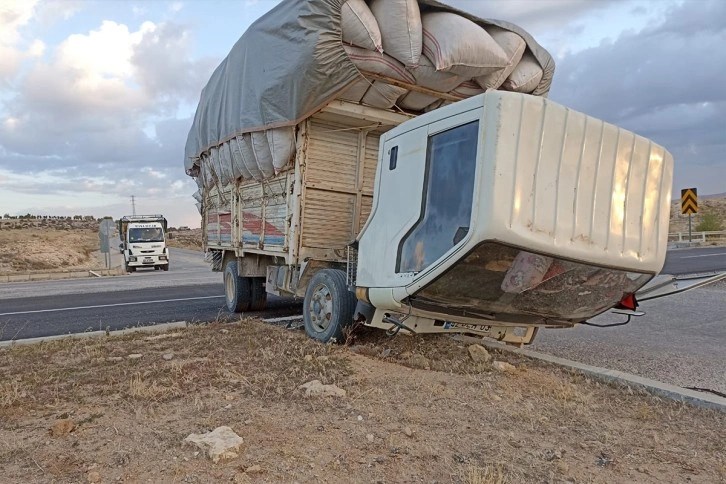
{"x":120,"y":246}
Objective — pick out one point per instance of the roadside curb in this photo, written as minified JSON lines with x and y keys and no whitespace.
{"x":50,"y":276}
{"x":654,"y":387}
{"x":157,"y":328}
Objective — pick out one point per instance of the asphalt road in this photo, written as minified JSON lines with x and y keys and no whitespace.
{"x":189,"y":291}
{"x":680,"y":340}
{"x":695,"y":260}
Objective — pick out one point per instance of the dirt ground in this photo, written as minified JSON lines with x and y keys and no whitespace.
{"x":186,"y":239}
{"x":117,"y":409}
{"x":41,"y":249}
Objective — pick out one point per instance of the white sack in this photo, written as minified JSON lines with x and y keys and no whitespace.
{"x":526,"y":76}
{"x":263,"y":155}
{"x":356,"y":91}
{"x":360,"y":26}
{"x":368,"y":60}
{"x":282,"y":146}
{"x":513,"y":46}
{"x":226,"y":176}
{"x":205,"y":172}
{"x":198,"y":196}
{"x":248,"y":156}
{"x":238,"y":163}
{"x":216,"y":166}
{"x":416,"y":101}
{"x":400,"y":25}
{"x":382,"y":95}
{"x":456,"y":44}
{"x":435,"y":105}
{"x":427,"y":76}
{"x":467,"y":89}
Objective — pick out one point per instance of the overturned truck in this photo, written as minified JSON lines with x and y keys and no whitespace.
{"x":396,"y":164}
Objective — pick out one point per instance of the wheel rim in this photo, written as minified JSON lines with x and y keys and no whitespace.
{"x":321,"y":308}
{"x":229,"y":287}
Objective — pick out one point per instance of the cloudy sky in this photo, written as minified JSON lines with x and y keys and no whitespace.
{"x":96,"y":96}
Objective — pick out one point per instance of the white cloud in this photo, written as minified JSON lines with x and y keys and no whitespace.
{"x":13,"y":16}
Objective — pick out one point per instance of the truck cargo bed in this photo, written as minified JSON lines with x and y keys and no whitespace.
{"x":316,"y":207}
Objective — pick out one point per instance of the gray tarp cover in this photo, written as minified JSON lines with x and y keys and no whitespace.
{"x":289,"y":64}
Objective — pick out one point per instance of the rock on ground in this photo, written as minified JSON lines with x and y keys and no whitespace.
{"x":62,"y":427}
{"x":316,"y":389}
{"x":221,"y":443}
{"x":479,"y":354}
{"x":503,"y":366}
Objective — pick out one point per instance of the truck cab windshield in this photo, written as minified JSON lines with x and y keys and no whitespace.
{"x":146,"y":235}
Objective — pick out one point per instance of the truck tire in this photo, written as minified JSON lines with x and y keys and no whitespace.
{"x":129,"y":268}
{"x":258,"y":292}
{"x":237,"y":291}
{"x":328,"y":306}
{"x":165,"y":267}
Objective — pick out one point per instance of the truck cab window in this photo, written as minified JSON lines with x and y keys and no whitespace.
{"x":448,"y":194}
{"x":146,"y":235}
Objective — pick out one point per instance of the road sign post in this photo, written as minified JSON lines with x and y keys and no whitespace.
{"x":689,"y":205}
{"x":104,"y":232}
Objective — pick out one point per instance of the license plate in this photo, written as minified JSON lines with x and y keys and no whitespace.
{"x":148,"y":260}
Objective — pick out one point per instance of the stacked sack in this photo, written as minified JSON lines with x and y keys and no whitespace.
{"x":251,"y":156}
{"x":440,"y":51}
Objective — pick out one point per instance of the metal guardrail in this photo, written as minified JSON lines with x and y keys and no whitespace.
{"x":712,"y":236}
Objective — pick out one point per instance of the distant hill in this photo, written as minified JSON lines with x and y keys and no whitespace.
{"x":715,"y":204}
{"x":677,"y":196}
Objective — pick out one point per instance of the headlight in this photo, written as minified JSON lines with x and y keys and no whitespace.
{"x":132,"y":259}
{"x":162,"y":257}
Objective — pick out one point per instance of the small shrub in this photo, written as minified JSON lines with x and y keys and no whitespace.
{"x":710,"y":222}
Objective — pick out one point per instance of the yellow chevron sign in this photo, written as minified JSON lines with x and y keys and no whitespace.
{"x":689,"y":201}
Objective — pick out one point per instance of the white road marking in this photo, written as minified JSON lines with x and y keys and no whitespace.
{"x":704,"y":255}
{"x":108,"y":305}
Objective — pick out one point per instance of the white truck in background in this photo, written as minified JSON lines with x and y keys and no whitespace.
{"x":143,"y":242}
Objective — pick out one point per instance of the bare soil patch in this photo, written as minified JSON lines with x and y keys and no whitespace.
{"x":416,"y":410}
{"x":186,"y":239}
{"x":31,"y":245}
{"x":42,"y":249}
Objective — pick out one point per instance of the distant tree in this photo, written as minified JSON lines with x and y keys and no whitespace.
{"x":710,"y":222}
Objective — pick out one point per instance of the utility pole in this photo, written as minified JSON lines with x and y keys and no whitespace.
{"x":133,"y":205}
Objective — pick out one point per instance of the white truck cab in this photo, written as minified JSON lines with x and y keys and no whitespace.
{"x":143,"y":242}
{"x":512,"y":210}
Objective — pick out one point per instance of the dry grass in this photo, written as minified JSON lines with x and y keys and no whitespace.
{"x":186,"y":239}
{"x":456,"y":422}
{"x":35,"y":249}
{"x":37,"y":245}
{"x":488,"y":475}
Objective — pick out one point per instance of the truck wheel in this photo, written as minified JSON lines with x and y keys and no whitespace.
{"x":259,"y":294}
{"x":165,"y":267}
{"x":130,"y":268}
{"x":328,"y":306}
{"x":237,"y":291}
